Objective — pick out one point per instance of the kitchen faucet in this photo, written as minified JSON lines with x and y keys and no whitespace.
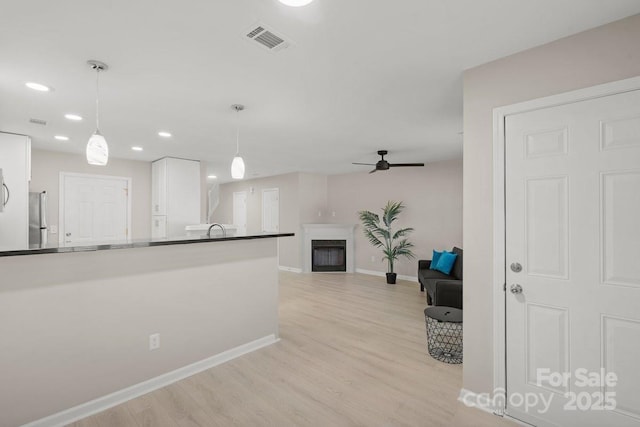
{"x":224,"y":231}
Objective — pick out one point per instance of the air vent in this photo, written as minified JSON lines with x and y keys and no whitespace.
{"x":38,"y":122}
{"x":267,"y":38}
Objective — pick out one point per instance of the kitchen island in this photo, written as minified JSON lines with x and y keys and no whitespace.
{"x":77,"y":323}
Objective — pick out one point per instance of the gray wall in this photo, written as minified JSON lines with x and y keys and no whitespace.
{"x":604,"y":54}
{"x":433,"y":196}
{"x":45,"y":176}
{"x":433,"y":199}
{"x":289,"y":210}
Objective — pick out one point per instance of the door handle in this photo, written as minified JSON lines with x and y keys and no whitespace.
{"x":68,"y":234}
{"x":516,"y":267}
{"x":516,"y":289}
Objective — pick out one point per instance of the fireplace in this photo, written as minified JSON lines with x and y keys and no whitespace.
{"x":319,"y":234}
{"x":328,"y":255}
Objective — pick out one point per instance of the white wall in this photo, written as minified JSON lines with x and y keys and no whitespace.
{"x":76,"y":326}
{"x":45,"y":176}
{"x":600,"y":55}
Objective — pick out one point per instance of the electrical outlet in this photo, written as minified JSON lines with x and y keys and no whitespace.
{"x":154,"y":341}
{"x":54,"y":229}
{"x":373,"y":258}
{"x":333,"y":214}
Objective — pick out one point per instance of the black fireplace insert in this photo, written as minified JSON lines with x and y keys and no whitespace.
{"x":328,"y":255}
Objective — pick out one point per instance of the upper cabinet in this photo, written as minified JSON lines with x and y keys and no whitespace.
{"x":15,"y":174}
{"x":175,"y":195}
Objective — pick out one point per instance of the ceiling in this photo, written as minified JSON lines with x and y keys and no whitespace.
{"x":360,"y":75}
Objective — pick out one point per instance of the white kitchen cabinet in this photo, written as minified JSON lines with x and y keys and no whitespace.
{"x":15,"y":163}
{"x":159,"y":226}
{"x":175,"y":195}
{"x":159,"y":187}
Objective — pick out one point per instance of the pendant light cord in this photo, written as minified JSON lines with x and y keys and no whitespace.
{"x":237,"y":132}
{"x":97,"y":98}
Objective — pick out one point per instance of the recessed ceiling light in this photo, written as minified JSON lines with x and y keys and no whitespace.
{"x":61,"y":138}
{"x":295,"y":3}
{"x":164,"y":134}
{"x":74,"y":117}
{"x":37,"y":86}
{"x":136,"y":148}
{"x":212,"y":177}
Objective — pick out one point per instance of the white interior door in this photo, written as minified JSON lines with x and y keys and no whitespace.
{"x":240,"y":212}
{"x":94,"y":209}
{"x":271,"y":210}
{"x":573,"y":223}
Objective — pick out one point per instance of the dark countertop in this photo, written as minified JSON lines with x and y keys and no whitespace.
{"x":54,"y":248}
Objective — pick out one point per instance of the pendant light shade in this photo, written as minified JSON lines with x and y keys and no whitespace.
{"x":97,"y":148}
{"x":237,"y":165}
{"x":237,"y":168}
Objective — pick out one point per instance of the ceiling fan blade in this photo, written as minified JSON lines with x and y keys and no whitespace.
{"x":375,"y":170}
{"x":366,"y":164}
{"x":393,"y":165}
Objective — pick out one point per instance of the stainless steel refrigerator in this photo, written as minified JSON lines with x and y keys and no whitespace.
{"x":38,"y":219}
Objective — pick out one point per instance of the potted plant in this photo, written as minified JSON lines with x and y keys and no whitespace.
{"x":394,"y":244}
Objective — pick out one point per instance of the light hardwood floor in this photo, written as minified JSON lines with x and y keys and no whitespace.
{"x":352,"y":353}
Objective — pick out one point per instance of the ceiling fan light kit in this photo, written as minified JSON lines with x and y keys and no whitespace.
{"x":383,"y":165}
{"x":237,"y":165}
{"x":97,"y":148}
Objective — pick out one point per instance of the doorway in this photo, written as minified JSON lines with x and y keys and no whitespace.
{"x":271,"y":210}
{"x":566,"y":250}
{"x":94,"y":209}
{"x":240,"y":212}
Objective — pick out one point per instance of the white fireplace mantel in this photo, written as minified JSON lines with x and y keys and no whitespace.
{"x":327,"y":232}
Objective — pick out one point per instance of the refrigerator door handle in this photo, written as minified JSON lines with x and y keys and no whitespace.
{"x":3,"y":200}
{"x":43,"y":210}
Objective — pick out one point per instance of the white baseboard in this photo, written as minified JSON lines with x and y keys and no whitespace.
{"x":105,"y":402}
{"x":484,"y":403}
{"x":291,"y":269}
{"x":474,"y":400}
{"x":383,"y":274}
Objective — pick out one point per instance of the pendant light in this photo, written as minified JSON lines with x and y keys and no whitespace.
{"x":97,"y":148}
{"x":237,"y":166}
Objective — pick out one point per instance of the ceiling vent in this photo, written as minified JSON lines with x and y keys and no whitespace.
{"x":38,"y":122}
{"x":266,"y":38}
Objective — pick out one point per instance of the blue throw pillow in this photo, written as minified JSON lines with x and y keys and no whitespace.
{"x":445,"y":262}
{"x":434,"y":259}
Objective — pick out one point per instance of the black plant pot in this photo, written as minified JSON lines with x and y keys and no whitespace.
{"x":391,"y":278}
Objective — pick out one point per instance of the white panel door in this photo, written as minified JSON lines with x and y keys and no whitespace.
{"x":240,"y":212}
{"x":573,"y":224}
{"x":95,"y":209}
{"x":271,"y":210}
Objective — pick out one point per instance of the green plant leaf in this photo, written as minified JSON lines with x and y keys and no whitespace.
{"x":382,"y":236}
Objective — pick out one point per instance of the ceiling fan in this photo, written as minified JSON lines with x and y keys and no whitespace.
{"x":383,"y":165}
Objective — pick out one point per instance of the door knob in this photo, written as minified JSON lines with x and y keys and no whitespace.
{"x":516,"y":267}
{"x":516,"y":289}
